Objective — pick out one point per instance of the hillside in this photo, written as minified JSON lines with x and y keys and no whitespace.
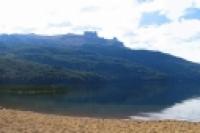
{"x":89,"y":62}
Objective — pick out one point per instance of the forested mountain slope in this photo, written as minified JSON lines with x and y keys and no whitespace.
{"x":86,"y":60}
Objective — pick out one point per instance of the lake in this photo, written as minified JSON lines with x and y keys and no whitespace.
{"x":178,"y":104}
{"x":60,"y":104}
{"x":187,"y":110}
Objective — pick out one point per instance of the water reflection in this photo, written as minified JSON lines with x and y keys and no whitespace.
{"x":188,"y":110}
{"x":115,"y":101}
{"x":59,"y":104}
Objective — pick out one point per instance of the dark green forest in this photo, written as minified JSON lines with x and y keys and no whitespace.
{"x":35,"y":64}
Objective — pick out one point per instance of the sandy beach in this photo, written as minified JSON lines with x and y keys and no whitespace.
{"x":13,"y":121}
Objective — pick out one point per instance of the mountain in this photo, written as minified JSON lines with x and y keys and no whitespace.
{"x":33,"y":63}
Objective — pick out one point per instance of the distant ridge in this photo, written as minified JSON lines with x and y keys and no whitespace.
{"x":65,"y":39}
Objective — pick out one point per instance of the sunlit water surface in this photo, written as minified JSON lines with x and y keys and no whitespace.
{"x":188,"y":110}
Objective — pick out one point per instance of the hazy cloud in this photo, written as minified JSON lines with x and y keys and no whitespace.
{"x":142,"y":1}
{"x":60,"y":25}
{"x":90,"y":9}
{"x":87,"y":28}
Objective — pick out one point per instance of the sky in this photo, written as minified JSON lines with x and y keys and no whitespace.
{"x":170,"y":26}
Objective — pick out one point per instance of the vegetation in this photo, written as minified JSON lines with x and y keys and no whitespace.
{"x":40,"y":64}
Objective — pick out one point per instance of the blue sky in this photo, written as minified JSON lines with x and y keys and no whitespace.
{"x":170,"y":26}
{"x":192,"y":13}
{"x":153,"y":18}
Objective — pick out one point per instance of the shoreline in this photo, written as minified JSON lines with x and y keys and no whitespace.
{"x":14,"y":121}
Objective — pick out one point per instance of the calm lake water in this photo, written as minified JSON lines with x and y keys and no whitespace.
{"x":59,"y":104}
{"x":178,"y":104}
{"x":187,"y":110}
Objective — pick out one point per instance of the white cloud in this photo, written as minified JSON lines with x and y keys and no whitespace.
{"x":110,"y":18}
{"x":173,"y":9}
{"x":178,"y":38}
